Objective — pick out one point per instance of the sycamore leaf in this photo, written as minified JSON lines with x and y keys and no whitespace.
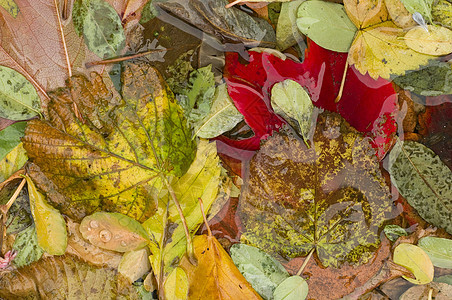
{"x":18,"y":98}
{"x":262,"y":271}
{"x":291,"y":101}
{"x":296,"y":199}
{"x":438,"y":249}
{"x":165,"y":227}
{"x":10,"y":6}
{"x":424,"y":181}
{"x":215,"y":276}
{"x":287,"y":33}
{"x":27,"y":248}
{"x":176,"y":285}
{"x":113,"y":231}
{"x":50,"y":225}
{"x":100,"y":25}
{"x":416,"y":261}
{"x":326,"y":24}
{"x":293,"y":288}
{"x":10,"y":138}
{"x":437,"y":41}
{"x":442,"y":13}
{"x":116,"y":159}
{"x":424,"y":7}
{"x":64,"y":277}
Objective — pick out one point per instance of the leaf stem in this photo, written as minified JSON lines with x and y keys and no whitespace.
{"x":341,"y":88}
{"x":15,"y":195}
{"x":60,"y":27}
{"x":190,"y":252}
{"x":123,"y":58}
{"x":233,"y":3}
{"x":305,"y":261}
{"x":209,"y":232}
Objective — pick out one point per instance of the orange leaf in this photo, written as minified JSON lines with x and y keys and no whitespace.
{"x":215,"y":276}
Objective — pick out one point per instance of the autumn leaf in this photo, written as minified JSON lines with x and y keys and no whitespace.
{"x":330,"y":197}
{"x":215,"y":276}
{"x":116,"y":160}
{"x":64,"y":277}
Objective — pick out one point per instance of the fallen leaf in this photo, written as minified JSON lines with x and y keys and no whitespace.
{"x":444,"y":279}
{"x":10,"y":138}
{"x":262,"y":271}
{"x":176,"y":285}
{"x":114,"y":162}
{"x":200,"y":86}
{"x":424,"y":181}
{"x":438,"y":249}
{"x":326,"y":24}
{"x":416,"y":261}
{"x":50,"y":225}
{"x":202,"y":180}
{"x":424,"y":7}
{"x":18,"y":98}
{"x":64,"y":277}
{"x":19,"y":214}
{"x":290,"y":100}
{"x":437,"y":41}
{"x":440,"y":291}
{"x":292,"y":288}
{"x":26,"y":247}
{"x":135,"y":264}
{"x":100,"y":25}
{"x":10,"y":6}
{"x":393,"y":232}
{"x":113,"y":231}
{"x":399,"y":14}
{"x":313,"y":198}
{"x":287,"y":33}
{"x":442,"y":13}
{"x":215,"y":276}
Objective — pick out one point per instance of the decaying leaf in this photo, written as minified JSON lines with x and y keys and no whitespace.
{"x":442,"y":13}
{"x":262,"y":271}
{"x":113,"y":231}
{"x":287,"y":33}
{"x":330,"y":197}
{"x":424,"y":181}
{"x":416,"y":261}
{"x":438,"y":249}
{"x":116,"y":159}
{"x":215,"y":276}
{"x":165,"y":227}
{"x":64,"y":277}
{"x":26,"y":247}
{"x":393,"y":232}
{"x":440,"y":291}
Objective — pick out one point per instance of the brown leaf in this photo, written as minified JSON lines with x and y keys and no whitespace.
{"x":215,"y":276}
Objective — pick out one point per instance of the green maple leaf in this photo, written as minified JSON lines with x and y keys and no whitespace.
{"x":115,"y":156}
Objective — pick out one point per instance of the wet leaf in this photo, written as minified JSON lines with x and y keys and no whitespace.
{"x":416,"y":261}
{"x":113,"y":231}
{"x":222,"y":116}
{"x":100,"y":25}
{"x":424,"y":181}
{"x":393,"y":232}
{"x":399,"y":14}
{"x":293,"y":288}
{"x":10,"y":6}
{"x":215,"y":276}
{"x":438,"y":249}
{"x":424,"y":7}
{"x":437,"y":41}
{"x":10,"y":138}
{"x":135,"y":264}
{"x":433,"y":80}
{"x":442,"y":13}
{"x":326,"y":24}
{"x":201,"y":181}
{"x":293,"y":195}
{"x":18,"y":98}
{"x":115,"y":161}
{"x":262,"y":271}
{"x":291,"y":101}
{"x":287,"y":33}
{"x":27,"y":248}
{"x":439,"y":291}
{"x":176,"y":285}
{"x":64,"y":277}
{"x":50,"y":225}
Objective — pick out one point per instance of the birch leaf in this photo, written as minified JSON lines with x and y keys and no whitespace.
{"x":437,"y":41}
{"x":114,"y":161}
{"x":424,"y":181}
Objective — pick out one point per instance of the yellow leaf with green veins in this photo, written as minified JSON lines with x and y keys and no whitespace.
{"x":115,"y":158}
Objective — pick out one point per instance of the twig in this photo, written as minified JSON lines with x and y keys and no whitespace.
{"x":305,"y":262}
{"x":123,"y":58}
{"x":341,"y":89}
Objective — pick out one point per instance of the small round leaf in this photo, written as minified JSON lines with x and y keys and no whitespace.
{"x":292,"y":288}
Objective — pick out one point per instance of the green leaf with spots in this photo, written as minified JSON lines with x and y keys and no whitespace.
{"x":114,"y":160}
{"x":10,"y":137}
{"x":424,"y":7}
{"x":330,"y":197}
{"x":27,"y":248}
{"x":393,"y":232}
{"x":262,"y":271}
{"x":424,"y":181}
{"x":10,"y":6}
{"x":18,"y":98}
{"x":442,"y":13}
{"x":100,"y":25}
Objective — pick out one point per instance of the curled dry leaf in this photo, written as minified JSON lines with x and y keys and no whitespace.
{"x":330,"y":197}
